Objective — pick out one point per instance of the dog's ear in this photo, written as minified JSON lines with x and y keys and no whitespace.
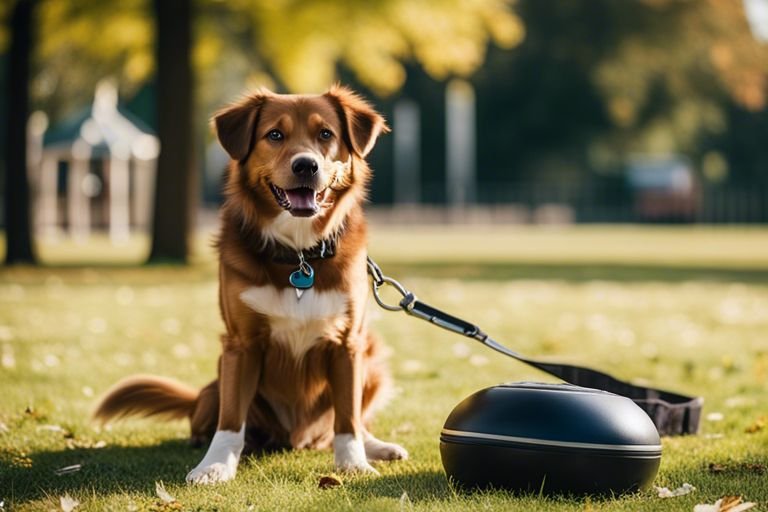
{"x":235,"y":124}
{"x":363,"y":124}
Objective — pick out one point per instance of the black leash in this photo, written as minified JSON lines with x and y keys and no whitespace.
{"x":673,"y":414}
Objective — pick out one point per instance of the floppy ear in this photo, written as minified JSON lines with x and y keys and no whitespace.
{"x":363,"y":124}
{"x":235,"y":124}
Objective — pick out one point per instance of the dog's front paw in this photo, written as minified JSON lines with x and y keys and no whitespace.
{"x":214,"y":473}
{"x":349,"y":454}
{"x":220,"y":462}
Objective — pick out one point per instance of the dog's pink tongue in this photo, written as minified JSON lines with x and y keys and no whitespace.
{"x":302,"y":201}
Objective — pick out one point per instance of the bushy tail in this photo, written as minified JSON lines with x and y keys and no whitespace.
{"x":146,"y":395}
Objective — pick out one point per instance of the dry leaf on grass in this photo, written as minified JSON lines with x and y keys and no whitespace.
{"x":51,"y":428}
{"x":162,"y":493}
{"x":66,"y":470}
{"x":744,"y":467}
{"x":759,"y":424}
{"x":405,"y":501}
{"x":68,"y":503}
{"x":665,"y":492}
{"x":725,"y":504}
{"x":329,"y":481}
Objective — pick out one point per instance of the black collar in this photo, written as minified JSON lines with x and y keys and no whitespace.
{"x":272,"y":250}
{"x":280,"y":253}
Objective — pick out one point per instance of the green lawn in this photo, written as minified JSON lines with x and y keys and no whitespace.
{"x":681,"y":308}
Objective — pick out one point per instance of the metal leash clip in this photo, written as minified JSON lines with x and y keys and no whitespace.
{"x":379,"y":280}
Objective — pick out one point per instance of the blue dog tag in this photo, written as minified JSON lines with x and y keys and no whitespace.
{"x":301,"y":280}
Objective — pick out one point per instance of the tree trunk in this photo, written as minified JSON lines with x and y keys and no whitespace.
{"x":175,"y":190}
{"x":18,"y":222}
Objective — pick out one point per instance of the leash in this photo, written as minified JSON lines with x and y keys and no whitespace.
{"x":672,"y":413}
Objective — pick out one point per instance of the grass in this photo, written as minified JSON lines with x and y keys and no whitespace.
{"x":685,"y":309}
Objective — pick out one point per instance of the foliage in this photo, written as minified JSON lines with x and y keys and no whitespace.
{"x":299,"y":43}
{"x":597,"y":80}
{"x":304,"y":40}
{"x":675,"y":61}
{"x":84,"y":41}
{"x":66,"y":334}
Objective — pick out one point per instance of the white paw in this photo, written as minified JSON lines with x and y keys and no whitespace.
{"x":220,"y":462}
{"x":376,"y":449}
{"x":217,"y":472}
{"x":361,"y":468}
{"x":349,"y":454}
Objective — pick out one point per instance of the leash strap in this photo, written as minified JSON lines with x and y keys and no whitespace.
{"x":672,"y":413}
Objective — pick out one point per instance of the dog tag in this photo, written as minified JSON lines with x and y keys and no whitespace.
{"x":302,"y":278}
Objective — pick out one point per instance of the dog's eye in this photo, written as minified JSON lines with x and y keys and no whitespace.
{"x":275,"y":135}
{"x":326,"y":134}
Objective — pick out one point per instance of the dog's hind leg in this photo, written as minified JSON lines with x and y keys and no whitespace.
{"x":205,"y":415}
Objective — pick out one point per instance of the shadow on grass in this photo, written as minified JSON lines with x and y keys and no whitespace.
{"x":576,"y":272}
{"x":104,"y":470}
{"x":420,"y":485}
{"x":116,"y":469}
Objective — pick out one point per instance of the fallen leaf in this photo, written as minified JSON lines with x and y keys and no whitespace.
{"x":744,"y":467}
{"x":725,"y":504}
{"x":68,"y":503}
{"x":74,"y":444}
{"x":759,"y":424}
{"x":162,"y":493}
{"x":66,"y":470}
{"x":405,"y":500}
{"x":758,"y":469}
{"x":461,"y":350}
{"x":478,"y":360}
{"x":51,"y":428}
{"x":715,"y":416}
{"x":716,"y":468}
{"x":665,"y":492}
{"x":329,"y":481}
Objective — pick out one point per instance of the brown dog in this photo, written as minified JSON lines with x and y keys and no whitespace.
{"x":298,"y":367}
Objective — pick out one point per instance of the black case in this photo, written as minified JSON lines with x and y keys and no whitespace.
{"x":550,"y":438}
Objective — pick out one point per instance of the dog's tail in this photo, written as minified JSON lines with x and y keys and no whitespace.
{"x":147,"y":395}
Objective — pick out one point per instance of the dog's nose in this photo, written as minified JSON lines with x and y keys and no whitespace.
{"x":304,"y":166}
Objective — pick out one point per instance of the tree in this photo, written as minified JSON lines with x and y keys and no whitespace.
{"x":174,"y":188}
{"x":598,"y":80}
{"x":300,"y":48}
{"x":19,"y":247}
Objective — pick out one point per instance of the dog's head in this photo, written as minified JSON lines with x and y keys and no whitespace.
{"x":298,"y":153}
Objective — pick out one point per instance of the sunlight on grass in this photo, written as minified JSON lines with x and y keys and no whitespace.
{"x":66,"y":334}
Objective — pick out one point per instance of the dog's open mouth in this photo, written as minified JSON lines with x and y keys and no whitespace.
{"x":299,"y":202}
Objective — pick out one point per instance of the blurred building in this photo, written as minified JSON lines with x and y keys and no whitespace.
{"x":95,"y":169}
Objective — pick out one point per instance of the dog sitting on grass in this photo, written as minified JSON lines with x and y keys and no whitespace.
{"x":298,"y":367}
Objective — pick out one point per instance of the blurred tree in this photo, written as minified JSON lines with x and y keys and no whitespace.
{"x":666,"y":80}
{"x":175,"y":192}
{"x":298,"y":45}
{"x":598,"y":80}
{"x":85,"y":41}
{"x":19,"y":248}
{"x":304,"y":40}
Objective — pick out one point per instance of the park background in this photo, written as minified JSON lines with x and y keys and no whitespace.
{"x":585,"y":179}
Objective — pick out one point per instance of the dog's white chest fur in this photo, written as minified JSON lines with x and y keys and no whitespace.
{"x":298,"y":324}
